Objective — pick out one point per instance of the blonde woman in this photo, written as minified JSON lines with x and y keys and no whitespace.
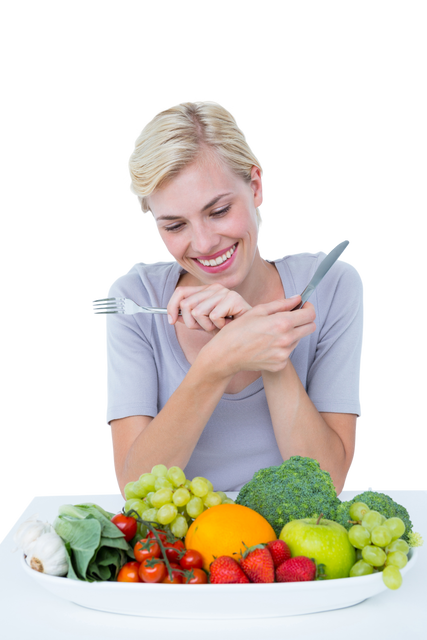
{"x":221,"y":397}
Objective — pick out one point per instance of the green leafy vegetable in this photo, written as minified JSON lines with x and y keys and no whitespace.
{"x":96,"y":548}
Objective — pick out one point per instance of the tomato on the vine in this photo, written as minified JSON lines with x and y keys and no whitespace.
{"x":146,"y":548}
{"x":129,"y":573}
{"x":199,"y":577}
{"x":126,"y":524}
{"x":174,"y":550}
{"x":162,"y":535}
{"x":191,"y":559}
{"x":177,"y":576}
{"x":152,"y":570}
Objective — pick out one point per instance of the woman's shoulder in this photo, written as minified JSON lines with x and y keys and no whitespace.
{"x":145,"y":282}
{"x":301,"y":267}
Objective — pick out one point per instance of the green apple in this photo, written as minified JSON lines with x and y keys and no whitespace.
{"x":323,"y":540}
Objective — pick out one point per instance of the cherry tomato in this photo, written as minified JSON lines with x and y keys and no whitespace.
{"x":174,"y":550}
{"x":162,"y":535}
{"x":129,"y":573}
{"x":177,"y":576}
{"x":191,"y":559}
{"x":146,"y":548}
{"x":200,"y":577}
{"x":126,"y":524}
{"x":152,"y":570}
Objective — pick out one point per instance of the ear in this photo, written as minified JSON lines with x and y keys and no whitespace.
{"x":256,"y":185}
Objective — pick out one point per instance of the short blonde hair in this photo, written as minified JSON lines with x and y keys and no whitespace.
{"x":176,"y":137}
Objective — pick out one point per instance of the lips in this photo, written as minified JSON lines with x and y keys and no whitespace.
{"x":217,"y":254}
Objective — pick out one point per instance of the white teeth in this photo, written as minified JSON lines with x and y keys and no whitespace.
{"x":219,"y":260}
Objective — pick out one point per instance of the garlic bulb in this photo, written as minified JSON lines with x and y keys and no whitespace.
{"x":29,"y":531}
{"x":48,"y":554}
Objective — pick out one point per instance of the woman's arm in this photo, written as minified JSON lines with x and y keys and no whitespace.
{"x":301,"y":430}
{"x":140,"y":442}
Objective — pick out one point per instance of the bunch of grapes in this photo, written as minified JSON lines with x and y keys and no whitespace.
{"x":167,"y":497}
{"x":378,"y":545}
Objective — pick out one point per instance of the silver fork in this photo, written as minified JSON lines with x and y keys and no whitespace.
{"x":123,"y":305}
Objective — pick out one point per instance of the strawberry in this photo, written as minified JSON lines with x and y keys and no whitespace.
{"x":298,"y":569}
{"x":257,"y":564}
{"x":280,"y":552}
{"x":226,"y":570}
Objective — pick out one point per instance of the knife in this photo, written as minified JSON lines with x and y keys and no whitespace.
{"x":321,"y":271}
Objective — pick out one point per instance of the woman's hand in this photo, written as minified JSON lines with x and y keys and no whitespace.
{"x":206,"y":307}
{"x":263,"y":338}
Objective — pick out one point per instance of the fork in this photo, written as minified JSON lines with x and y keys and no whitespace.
{"x":124,"y":305}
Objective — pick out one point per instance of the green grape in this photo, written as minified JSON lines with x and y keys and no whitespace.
{"x":195,"y":507}
{"x":138,"y":490}
{"x":147,"y":498}
{"x":211,"y":499}
{"x":159,"y":470}
{"x":381,"y":536}
{"x":163,"y":483}
{"x":372,"y":519}
{"x":222,"y":495}
{"x":166,"y":514}
{"x":141,"y":531}
{"x":138,"y":505}
{"x":358,"y":510}
{"x":208,"y":482}
{"x":144,"y":484}
{"x":374,"y":555}
{"x":396,"y":527}
{"x":161,"y":497}
{"x":199,"y":487}
{"x":181,"y":496}
{"x":151,"y":515}
{"x":361,"y":568}
{"x":359,"y":536}
{"x":187,"y":484}
{"x":397,"y":559}
{"x":129,"y":492}
{"x":176,"y":476}
{"x":228,"y":501}
{"x":398,"y":545}
{"x":392,"y":577}
{"x":179,"y":526}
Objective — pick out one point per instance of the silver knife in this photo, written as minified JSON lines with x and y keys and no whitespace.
{"x":321,"y":271}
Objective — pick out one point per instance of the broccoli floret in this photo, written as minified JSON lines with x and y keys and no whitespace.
{"x":415,"y":539}
{"x":377,"y":502}
{"x":296,"y":489}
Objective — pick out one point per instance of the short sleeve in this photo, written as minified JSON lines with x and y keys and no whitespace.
{"x":132,"y":372}
{"x":333,"y":377}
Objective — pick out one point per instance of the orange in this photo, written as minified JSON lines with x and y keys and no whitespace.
{"x":224,"y":530}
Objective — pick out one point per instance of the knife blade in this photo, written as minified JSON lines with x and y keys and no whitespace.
{"x":321,"y":271}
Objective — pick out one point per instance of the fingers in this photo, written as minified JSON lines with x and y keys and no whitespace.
{"x":207,"y":307}
{"x":178,"y":295}
{"x":298,"y":317}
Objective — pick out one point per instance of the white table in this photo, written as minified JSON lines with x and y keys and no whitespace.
{"x":28,"y":611}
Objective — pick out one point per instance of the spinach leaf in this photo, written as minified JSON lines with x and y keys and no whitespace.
{"x":96,"y":548}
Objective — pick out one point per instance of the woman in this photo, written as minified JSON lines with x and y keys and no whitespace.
{"x":216,"y":396}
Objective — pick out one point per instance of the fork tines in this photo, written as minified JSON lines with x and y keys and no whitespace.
{"x":109,"y":305}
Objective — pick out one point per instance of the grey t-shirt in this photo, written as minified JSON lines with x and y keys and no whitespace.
{"x":146,"y":365}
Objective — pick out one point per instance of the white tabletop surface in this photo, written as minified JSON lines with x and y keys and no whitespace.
{"x":30,"y":612}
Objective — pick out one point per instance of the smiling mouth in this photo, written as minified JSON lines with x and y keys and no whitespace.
{"x":220,"y":259}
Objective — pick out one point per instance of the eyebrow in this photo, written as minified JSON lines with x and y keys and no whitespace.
{"x":207,"y":206}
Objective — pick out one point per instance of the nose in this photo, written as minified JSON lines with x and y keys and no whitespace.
{"x":204,"y":241}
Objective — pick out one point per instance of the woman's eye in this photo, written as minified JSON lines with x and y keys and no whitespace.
{"x":216,"y":213}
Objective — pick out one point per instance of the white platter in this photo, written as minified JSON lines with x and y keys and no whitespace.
{"x":225,"y":601}
{"x":219,"y":601}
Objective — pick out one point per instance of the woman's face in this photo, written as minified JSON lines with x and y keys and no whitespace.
{"x":207,"y":219}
